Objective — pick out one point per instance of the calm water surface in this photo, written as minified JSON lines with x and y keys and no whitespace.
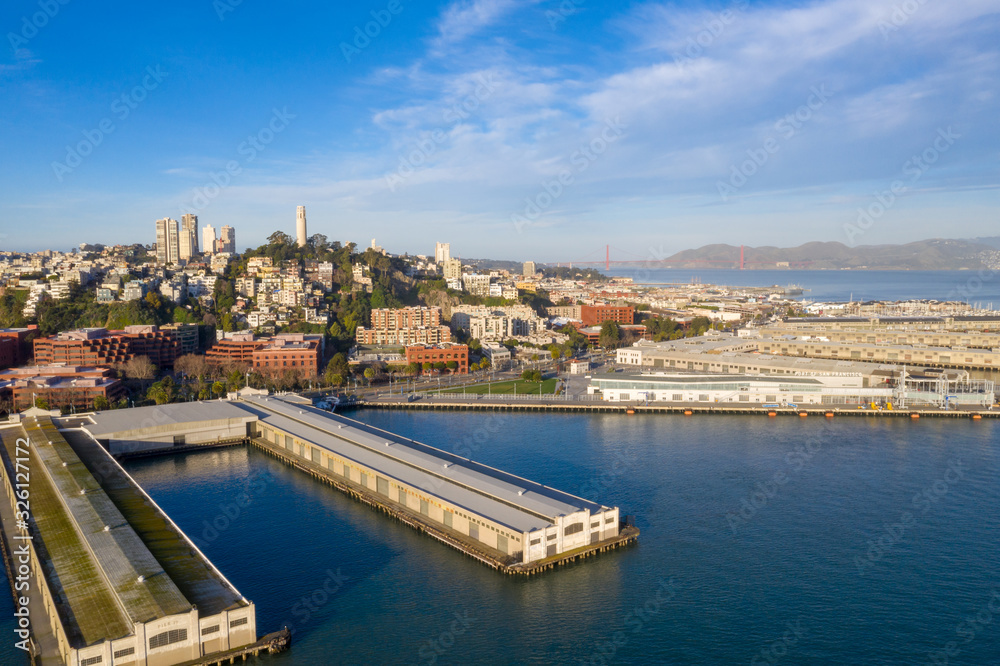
{"x":972,"y":286}
{"x":851,"y":538}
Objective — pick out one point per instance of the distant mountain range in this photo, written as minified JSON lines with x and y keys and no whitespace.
{"x":934,"y":254}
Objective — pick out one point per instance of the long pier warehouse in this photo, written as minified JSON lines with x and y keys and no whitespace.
{"x":506,"y":519}
{"x":120,"y":583}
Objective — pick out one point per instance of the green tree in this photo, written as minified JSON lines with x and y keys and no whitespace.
{"x":101,"y":403}
{"x":611,"y":335}
{"x":427,"y":367}
{"x":452,"y":365}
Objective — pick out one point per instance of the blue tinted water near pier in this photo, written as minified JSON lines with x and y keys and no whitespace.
{"x":858,"y":540}
{"x":982,"y":287}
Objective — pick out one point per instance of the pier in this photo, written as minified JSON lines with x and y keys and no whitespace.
{"x":111,"y":579}
{"x":504,"y":521}
{"x":524,"y":404}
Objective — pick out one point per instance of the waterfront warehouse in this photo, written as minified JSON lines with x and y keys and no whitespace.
{"x":115,"y":580}
{"x":519,"y":521}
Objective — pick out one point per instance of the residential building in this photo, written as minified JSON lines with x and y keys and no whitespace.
{"x":529,"y":269}
{"x":486,"y":323}
{"x":452,"y":269}
{"x":187,"y":337}
{"x":442,"y":353}
{"x":477,"y":284}
{"x":134,"y":290}
{"x":208,"y":239}
{"x":442,"y":252}
{"x":227,"y":240}
{"x":188,"y":238}
{"x":167,"y":241}
{"x":403,"y":326}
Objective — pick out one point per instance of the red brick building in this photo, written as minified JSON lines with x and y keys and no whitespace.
{"x":20,"y":351}
{"x":61,"y":385}
{"x":8,"y":352}
{"x":237,"y":349}
{"x":440,"y":353}
{"x":99,"y":347}
{"x":595,"y":315}
{"x":289,"y":352}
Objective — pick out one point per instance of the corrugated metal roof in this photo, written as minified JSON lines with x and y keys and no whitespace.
{"x":118,"y":421}
{"x":508,"y":499}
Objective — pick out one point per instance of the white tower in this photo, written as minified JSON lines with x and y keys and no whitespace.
{"x":300,"y":226}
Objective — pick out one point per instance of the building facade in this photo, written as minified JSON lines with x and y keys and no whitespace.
{"x":595,"y":315}
{"x":100,"y":347}
{"x":404,"y":326}
{"x":188,"y":239}
{"x":444,"y":353}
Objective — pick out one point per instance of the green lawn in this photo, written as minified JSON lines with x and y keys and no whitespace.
{"x":523,"y":387}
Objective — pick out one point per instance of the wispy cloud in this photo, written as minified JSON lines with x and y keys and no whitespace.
{"x":465,"y":18}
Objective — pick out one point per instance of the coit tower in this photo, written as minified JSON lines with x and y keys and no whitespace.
{"x":300,"y":226}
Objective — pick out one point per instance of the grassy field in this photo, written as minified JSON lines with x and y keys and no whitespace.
{"x":523,"y":387}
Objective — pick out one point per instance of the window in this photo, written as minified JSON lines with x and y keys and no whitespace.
{"x":575,"y":528}
{"x":168,"y":638}
{"x":124,"y":652}
{"x":89,"y":661}
{"x":552,"y":537}
{"x":609,"y":520}
{"x":535,"y":542}
{"x":238,"y":623}
{"x":210,"y":630}
{"x":364,"y":479}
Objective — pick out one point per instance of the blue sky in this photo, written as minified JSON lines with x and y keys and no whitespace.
{"x":513,"y":129}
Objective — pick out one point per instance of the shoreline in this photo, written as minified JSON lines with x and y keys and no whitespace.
{"x":670,"y":408}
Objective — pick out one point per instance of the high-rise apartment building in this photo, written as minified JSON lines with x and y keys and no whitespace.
{"x":167,"y":241}
{"x":300,"y":226}
{"x":208,"y":238}
{"x":529,"y":269}
{"x":442,"y":252}
{"x":404,"y":326}
{"x":188,"y":243}
{"x":227,"y":240}
{"x":452,"y":269}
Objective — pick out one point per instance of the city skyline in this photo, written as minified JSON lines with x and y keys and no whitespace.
{"x":670,"y":129}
